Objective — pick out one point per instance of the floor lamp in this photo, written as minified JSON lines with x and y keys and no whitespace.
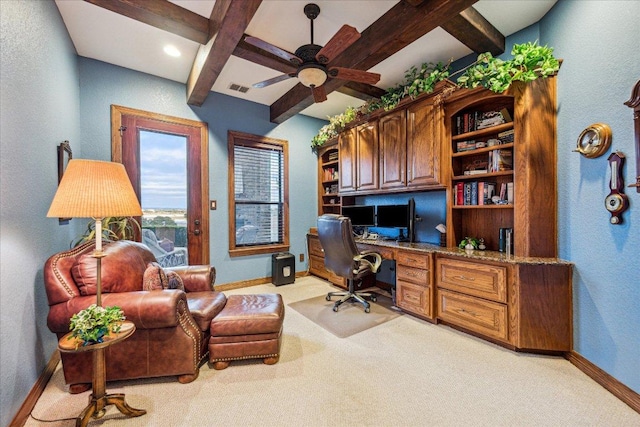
{"x":97,"y":189}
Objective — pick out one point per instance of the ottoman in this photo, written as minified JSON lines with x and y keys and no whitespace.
{"x":248,"y":327}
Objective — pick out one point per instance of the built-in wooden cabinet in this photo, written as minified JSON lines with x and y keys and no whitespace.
{"x":359,"y":158}
{"x":526,"y":168}
{"x":393,"y":150}
{"x":414,"y":289}
{"x":524,"y":305}
{"x":316,"y":262}
{"x":329,"y":200}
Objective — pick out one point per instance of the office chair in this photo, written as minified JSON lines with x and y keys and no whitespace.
{"x":341,"y":256}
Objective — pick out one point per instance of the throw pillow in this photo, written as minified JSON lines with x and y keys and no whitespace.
{"x":154,"y":278}
{"x":174,"y":280}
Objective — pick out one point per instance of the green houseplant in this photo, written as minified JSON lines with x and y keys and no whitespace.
{"x":113,"y":228}
{"x":94,"y":322}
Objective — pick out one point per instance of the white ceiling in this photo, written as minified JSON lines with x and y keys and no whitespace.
{"x":106,"y":36}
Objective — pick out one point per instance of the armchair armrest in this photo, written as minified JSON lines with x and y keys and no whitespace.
{"x":146,"y":309}
{"x":196,"y":278}
{"x":370,"y":258}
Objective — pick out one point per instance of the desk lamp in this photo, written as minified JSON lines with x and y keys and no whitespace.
{"x":95,"y":189}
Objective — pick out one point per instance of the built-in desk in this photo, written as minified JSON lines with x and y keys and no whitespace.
{"x":522,"y":303}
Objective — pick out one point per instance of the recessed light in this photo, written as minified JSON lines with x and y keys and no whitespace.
{"x":171,"y":50}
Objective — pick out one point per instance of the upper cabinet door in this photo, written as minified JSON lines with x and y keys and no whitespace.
{"x":348,"y":151}
{"x":393,"y":150}
{"x":367,"y":156}
{"x":424,"y":121}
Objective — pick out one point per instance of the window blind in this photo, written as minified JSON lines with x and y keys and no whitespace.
{"x":258,"y":194}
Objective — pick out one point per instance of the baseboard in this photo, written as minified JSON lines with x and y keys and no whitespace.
{"x":36,"y":391}
{"x":253,"y":282}
{"x":614,"y":386}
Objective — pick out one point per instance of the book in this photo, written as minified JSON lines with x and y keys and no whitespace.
{"x":474,"y":192}
{"x":506,"y":136}
{"x":459,"y":197}
{"x":500,"y":160}
{"x":467,"y":193}
{"x":486,"y":190}
{"x":510,"y":192}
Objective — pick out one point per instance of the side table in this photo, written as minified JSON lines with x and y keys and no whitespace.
{"x":99,"y":398}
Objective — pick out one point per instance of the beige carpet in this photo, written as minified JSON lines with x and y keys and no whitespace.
{"x":350,"y":317}
{"x":404,"y":372}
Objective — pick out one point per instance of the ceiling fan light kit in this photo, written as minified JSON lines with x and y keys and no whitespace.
{"x":313,"y":61}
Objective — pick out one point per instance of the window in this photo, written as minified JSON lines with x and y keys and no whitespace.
{"x":258,"y":194}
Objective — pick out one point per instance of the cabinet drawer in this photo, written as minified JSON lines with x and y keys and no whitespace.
{"x":486,"y":281}
{"x":317,"y":268}
{"x":315,"y":248}
{"x":418,"y":276}
{"x":475,"y":314}
{"x":385,"y":253}
{"x":413,"y":260}
{"x":414,"y":298}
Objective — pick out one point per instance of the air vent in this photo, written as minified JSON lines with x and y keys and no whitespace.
{"x":238,"y":88}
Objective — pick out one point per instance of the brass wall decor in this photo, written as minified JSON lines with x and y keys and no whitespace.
{"x":594,"y":141}
{"x":634,"y":102}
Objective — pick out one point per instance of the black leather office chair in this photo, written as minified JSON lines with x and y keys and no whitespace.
{"x":341,"y":256}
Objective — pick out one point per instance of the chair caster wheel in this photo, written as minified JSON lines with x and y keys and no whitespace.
{"x":374,"y":298}
{"x":335,"y":308}
{"x":367,"y":309}
{"x":328,"y":297}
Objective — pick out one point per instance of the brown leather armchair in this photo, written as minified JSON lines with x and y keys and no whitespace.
{"x":172,"y":326}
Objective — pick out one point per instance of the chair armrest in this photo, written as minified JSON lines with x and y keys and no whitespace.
{"x":146,"y":309}
{"x":196,"y":278}
{"x":370,"y":258}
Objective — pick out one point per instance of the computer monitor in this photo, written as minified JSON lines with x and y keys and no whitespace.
{"x":361,"y":216}
{"x":393,"y":216}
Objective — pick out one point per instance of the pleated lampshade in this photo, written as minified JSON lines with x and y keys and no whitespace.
{"x":94,"y":189}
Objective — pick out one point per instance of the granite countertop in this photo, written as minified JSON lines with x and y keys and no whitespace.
{"x":474,"y":254}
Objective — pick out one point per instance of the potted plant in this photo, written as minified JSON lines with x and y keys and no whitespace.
{"x":113,"y":228}
{"x":94,"y":322}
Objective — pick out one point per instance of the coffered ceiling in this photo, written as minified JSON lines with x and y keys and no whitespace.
{"x":214,"y":56}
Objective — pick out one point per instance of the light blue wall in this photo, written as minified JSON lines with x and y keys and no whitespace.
{"x":600,"y":45}
{"x":104,"y":84}
{"x":39,"y":96}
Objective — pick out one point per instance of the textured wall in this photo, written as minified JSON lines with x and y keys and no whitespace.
{"x":40,"y":108}
{"x":103,"y":84}
{"x":598,"y":41}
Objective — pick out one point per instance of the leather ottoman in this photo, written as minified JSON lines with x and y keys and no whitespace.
{"x":248,"y":327}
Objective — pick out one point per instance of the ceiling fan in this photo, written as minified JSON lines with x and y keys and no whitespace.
{"x":313,"y":61}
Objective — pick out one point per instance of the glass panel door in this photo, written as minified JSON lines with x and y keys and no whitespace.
{"x":163,"y":194}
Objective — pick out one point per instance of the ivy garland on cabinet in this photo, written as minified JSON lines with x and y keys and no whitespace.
{"x":530,"y":61}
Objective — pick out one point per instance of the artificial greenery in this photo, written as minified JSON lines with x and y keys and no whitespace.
{"x":113,"y":228}
{"x":93,"y":323}
{"x":469,"y":241}
{"x":530,"y":61}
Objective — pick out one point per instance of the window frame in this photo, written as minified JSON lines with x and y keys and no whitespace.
{"x":234,"y":139}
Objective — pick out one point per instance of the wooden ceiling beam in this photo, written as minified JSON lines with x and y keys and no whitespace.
{"x":475,"y":32}
{"x":229,"y":20}
{"x":161,"y":14}
{"x":361,"y":91}
{"x":397,"y":28}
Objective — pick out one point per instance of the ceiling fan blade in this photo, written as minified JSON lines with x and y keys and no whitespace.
{"x":273,"y":80}
{"x":354,"y":75}
{"x":261,"y":44}
{"x":319,"y":94}
{"x":341,"y":40}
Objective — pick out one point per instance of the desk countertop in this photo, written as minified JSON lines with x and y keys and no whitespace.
{"x":475,"y":254}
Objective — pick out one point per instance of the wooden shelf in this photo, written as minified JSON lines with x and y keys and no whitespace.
{"x":483,"y":132}
{"x":482,"y":150}
{"x":505,"y":206}
{"x":481,"y":175}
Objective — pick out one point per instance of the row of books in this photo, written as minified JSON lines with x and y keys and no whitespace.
{"x":498,"y":160}
{"x":479,"y":193}
{"x":469,"y":122}
{"x":468,"y":145}
{"x":330,"y":174}
{"x":333,"y":156}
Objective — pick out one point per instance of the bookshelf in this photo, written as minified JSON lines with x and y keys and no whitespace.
{"x":514,"y":153}
{"x":329,"y":201}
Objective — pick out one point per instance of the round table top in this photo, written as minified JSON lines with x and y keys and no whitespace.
{"x":70,"y":344}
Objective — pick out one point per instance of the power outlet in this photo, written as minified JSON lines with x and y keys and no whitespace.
{"x":301,"y":257}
